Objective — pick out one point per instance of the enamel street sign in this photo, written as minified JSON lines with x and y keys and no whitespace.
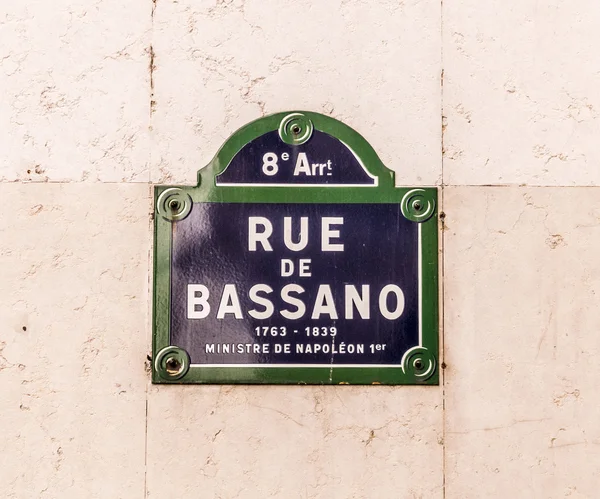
{"x":295,"y":260}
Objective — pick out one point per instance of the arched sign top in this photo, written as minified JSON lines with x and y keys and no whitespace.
{"x":297,"y":149}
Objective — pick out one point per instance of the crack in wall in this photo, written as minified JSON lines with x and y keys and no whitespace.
{"x":152,"y":65}
{"x":151,"y":69}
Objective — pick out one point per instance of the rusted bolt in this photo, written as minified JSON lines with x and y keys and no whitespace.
{"x":174,"y":204}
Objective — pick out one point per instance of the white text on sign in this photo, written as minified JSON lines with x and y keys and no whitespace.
{"x":260,"y":232}
{"x":303,"y":166}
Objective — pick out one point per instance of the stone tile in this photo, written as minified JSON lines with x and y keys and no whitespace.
{"x":522,"y":92}
{"x":292,"y":441}
{"x":75,"y":101}
{"x":374,"y":66}
{"x":522,"y":284}
{"x":73,"y":342}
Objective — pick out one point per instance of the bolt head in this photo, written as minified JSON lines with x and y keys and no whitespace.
{"x":173,"y":366}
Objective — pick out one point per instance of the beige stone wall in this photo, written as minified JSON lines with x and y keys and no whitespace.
{"x":495,"y":102}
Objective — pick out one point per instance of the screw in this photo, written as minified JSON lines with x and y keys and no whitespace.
{"x":295,"y":129}
{"x":173,"y":366}
{"x":417,"y":205}
{"x":174,"y":204}
{"x":418,"y":364}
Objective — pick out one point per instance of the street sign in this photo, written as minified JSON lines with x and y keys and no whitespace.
{"x":295,"y":260}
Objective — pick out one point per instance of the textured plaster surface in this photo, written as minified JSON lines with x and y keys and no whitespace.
{"x":73,"y":321}
{"x":521,"y":92}
{"x":522,"y":288}
{"x":219,"y":65}
{"x":305,"y":442}
{"x":101,"y":98}
{"x":74,"y":100}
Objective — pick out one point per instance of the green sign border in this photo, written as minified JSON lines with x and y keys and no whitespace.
{"x":171,"y":203}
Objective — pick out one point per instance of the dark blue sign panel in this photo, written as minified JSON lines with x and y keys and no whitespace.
{"x":295,"y":284}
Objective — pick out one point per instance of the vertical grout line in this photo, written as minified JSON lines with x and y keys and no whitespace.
{"x":151,"y":69}
{"x":443,"y":338}
{"x":149,"y":319}
{"x":148,"y":336}
{"x":442,"y":241}
{"x":146,"y":448}
{"x":150,"y":262}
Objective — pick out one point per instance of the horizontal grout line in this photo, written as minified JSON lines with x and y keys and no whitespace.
{"x":441,"y":186}
{"x":528,"y":186}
